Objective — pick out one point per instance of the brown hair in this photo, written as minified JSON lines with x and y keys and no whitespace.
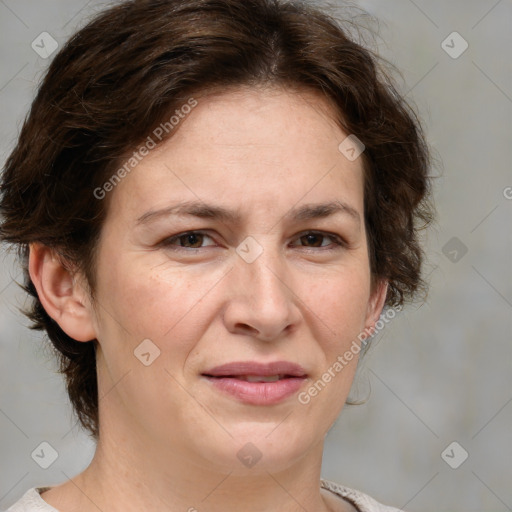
{"x":124,"y":73}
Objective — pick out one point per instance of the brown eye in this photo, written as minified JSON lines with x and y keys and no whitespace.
{"x":188,"y":240}
{"x":193,"y":239}
{"x":315,"y":239}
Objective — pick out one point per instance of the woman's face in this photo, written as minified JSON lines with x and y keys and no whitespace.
{"x":277,"y":270}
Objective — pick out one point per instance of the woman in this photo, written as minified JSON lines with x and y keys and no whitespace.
{"x":214,"y":200}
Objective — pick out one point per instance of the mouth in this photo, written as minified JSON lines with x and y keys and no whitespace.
{"x":257,"y":383}
{"x":274,"y":370}
{"x":252,"y":378}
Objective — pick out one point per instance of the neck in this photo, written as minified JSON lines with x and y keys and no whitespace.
{"x":142,"y":481}
{"x":129,"y":474}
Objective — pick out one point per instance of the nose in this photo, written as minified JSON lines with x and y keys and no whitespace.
{"x":262,"y":301}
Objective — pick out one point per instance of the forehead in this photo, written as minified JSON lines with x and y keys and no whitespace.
{"x":271,"y":117}
{"x":265,"y":144}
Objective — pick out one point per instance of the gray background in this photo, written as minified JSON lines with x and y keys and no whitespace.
{"x":438,"y":373}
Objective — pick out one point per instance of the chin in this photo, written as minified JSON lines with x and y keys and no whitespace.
{"x":258,"y":448}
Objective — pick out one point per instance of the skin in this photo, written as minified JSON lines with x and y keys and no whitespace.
{"x":168,"y":439}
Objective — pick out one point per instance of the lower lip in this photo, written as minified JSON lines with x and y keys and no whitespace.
{"x":258,"y":393}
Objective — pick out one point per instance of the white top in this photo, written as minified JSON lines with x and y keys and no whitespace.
{"x":31,"y":501}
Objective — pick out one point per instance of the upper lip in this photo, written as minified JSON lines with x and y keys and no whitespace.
{"x":238,"y":368}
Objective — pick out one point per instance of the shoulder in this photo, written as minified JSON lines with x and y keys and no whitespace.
{"x":31,"y":501}
{"x":363,"y":502}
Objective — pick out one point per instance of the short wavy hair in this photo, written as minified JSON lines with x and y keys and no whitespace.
{"x":131,"y":66}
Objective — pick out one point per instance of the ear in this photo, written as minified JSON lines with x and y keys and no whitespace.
{"x":376,"y":303}
{"x":60,"y":292}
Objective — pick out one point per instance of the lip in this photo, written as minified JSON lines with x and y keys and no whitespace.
{"x":224,"y":379}
{"x":254,"y":368}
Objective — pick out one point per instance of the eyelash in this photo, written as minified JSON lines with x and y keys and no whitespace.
{"x":338,"y":242}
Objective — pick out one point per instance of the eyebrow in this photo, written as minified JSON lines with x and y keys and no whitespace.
{"x":207,"y":211}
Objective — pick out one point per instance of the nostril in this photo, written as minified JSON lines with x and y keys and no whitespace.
{"x":246,"y":329}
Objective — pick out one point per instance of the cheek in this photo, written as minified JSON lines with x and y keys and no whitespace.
{"x":341,"y":301}
{"x":148,"y":303}
{"x":156,"y":301}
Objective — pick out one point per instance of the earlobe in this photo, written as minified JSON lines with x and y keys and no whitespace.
{"x":376,"y":303}
{"x":60,"y":293}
